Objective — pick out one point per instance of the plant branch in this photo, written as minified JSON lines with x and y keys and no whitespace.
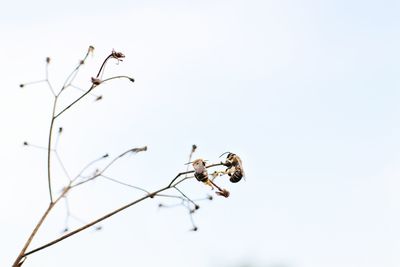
{"x":73,"y":74}
{"x":74,"y":102}
{"x":97,"y":174}
{"x":55,"y":241}
{"x":49,"y":149}
{"x":150,"y":195}
{"x":36,"y":229}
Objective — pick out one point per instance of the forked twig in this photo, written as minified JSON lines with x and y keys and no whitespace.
{"x":79,"y":179}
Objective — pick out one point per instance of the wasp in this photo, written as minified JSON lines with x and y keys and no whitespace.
{"x":235,"y":167}
{"x":201,"y":175}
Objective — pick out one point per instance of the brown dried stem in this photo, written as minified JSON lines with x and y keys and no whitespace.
{"x":21,"y":255}
{"x":112,"y":213}
{"x":74,"y":183}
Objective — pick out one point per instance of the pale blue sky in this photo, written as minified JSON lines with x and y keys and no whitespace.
{"x":305,"y":91}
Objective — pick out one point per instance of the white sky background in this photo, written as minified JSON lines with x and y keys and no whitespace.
{"x":305,"y":91}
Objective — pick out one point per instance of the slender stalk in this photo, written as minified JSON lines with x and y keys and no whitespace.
{"x":55,"y":241}
{"x":21,"y":255}
{"x":49,"y":149}
{"x":103,"y":65}
{"x":73,"y":74}
{"x":74,"y":102}
{"x":72,"y":183}
{"x":150,"y":195}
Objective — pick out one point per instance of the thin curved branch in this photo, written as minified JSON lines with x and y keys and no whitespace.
{"x":73,"y":74}
{"x":88,"y":165}
{"x":124,"y":184}
{"x":74,"y":102}
{"x":132,"y":150}
{"x":49,"y":149}
{"x":94,"y":222}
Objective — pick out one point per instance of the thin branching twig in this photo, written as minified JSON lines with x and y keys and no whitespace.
{"x":80,"y":179}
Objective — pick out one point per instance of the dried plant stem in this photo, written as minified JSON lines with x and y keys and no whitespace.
{"x":23,"y":252}
{"x":20,"y":258}
{"x":73,"y":74}
{"x":56,"y":113}
{"x":49,"y":149}
{"x":74,"y":102}
{"x":36,"y":229}
{"x":94,"y":222}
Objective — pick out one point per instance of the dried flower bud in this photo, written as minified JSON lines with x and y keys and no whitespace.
{"x":96,"y":81}
{"x":224,"y":193}
{"x":96,"y":172}
{"x":117,"y":55}
{"x":138,"y":149}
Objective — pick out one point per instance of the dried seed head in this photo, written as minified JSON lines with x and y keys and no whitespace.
{"x":224,"y":193}
{"x":194,"y":147}
{"x":210,"y":197}
{"x":117,"y":55}
{"x":48,"y":60}
{"x":21,"y":85}
{"x":25,"y":143}
{"x":132,"y":80}
{"x":98,"y":228}
{"x":100,"y":97}
{"x":196,"y":207}
{"x":96,"y":81}
{"x":194,"y":229}
{"x":60,"y":130}
{"x":105,"y":156}
{"x":90,"y":49}
{"x":138,"y":149}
